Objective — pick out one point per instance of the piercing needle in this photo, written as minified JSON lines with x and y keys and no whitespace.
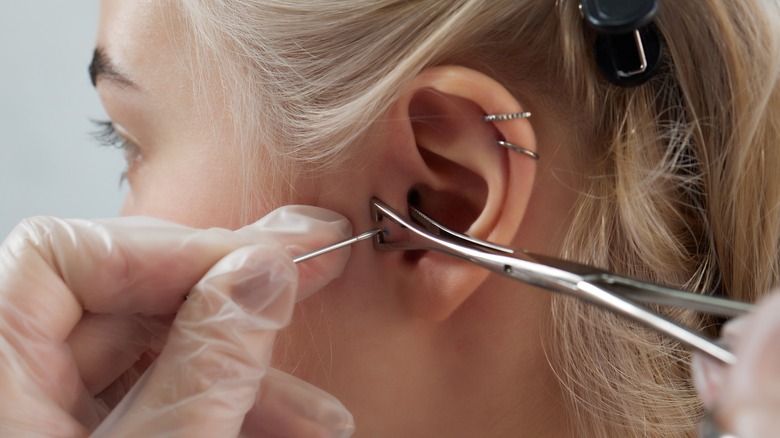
{"x":352,"y":240}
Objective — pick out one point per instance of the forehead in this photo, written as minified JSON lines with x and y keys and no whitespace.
{"x":141,"y":36}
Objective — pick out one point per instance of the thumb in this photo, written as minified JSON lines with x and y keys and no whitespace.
{"x":207,"y":376}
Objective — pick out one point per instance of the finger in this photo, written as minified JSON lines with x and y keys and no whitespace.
{"x":750,"y":397}
{"x":294,"y":226}
{"x":709,"y":375}
{"x":27,"y":411}
{"x":288,"y":406}
{"x":55,"y":268}
{"x":106,"y":345}
{"x":208,"y":374}
{"x":52,"y":269}
{"x":38,"y":306}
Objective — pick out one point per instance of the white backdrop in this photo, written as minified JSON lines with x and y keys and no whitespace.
{"x":49,"y":165}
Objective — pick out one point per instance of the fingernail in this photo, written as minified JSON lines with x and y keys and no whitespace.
{"x":708,"y":378}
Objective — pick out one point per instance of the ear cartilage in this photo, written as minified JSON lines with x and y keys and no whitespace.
{"x":503,"y":117}
{"x":518,"y":149}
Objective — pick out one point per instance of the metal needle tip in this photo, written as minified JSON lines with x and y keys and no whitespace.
{"x":352,"y":240}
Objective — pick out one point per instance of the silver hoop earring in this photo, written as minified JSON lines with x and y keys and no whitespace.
{"x":503,"y":117}
{"x":518,"y":149}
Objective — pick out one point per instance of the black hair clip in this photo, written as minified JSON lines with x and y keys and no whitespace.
{"x":628,"y":47}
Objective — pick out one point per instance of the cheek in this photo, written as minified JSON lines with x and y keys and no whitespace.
{"x":338,"y":335}
{"x":313,"y":342}
{"x":197,"y":191}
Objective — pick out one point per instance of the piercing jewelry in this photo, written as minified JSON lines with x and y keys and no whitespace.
{"x":506,"y":144}
{"x":518,"y":149}
{"x":502,"y":117}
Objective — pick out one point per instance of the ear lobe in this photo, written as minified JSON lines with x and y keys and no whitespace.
{"x":458,"y":175}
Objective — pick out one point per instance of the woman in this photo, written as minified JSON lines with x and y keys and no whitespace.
{"x":228,"y":110}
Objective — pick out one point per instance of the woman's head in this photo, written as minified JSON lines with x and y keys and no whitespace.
{"x":243,"y":106}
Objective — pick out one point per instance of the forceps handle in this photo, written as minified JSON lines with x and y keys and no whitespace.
{"x":558,"y":275}
{"x":556,"y":280}
{"x":607,"y":299}
{"x":561,"y":281}
{"x":647,"y":293}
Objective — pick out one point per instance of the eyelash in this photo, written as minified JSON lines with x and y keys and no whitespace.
{"x":106,"y":135}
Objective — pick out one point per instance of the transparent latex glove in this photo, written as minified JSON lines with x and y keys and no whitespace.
{"x":86,"y":307}
{"x":745,"y":398}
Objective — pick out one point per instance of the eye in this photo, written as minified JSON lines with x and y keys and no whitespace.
{"x":106,"y":135}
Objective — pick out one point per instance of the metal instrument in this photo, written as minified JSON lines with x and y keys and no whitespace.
{"x":619,"y":294}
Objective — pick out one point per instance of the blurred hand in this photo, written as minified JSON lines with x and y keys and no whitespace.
{"x":745,"y":398}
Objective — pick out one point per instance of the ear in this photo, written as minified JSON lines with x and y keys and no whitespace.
{"x":442,"y":157}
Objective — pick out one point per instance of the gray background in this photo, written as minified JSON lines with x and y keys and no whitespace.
{"x":49,"y":164}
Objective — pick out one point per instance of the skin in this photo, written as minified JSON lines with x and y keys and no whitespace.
{"x":425,"y":346}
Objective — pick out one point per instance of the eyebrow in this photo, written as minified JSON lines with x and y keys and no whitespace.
{"x":101,"y":67}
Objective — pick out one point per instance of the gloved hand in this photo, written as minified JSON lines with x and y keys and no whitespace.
{"x":745,"y":398}
{"x":85,"y":308}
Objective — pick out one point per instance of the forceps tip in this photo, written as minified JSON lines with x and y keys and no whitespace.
{"x":393,"y":227}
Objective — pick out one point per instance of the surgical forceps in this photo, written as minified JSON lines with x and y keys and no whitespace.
{"x":611,"y":291}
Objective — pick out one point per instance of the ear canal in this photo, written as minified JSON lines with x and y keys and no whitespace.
{"x":450,"y":208}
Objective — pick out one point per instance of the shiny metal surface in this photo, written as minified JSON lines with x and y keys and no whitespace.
{"x":619,"y":294}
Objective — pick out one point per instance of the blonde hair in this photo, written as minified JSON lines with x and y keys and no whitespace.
{"x":681,"y":183}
